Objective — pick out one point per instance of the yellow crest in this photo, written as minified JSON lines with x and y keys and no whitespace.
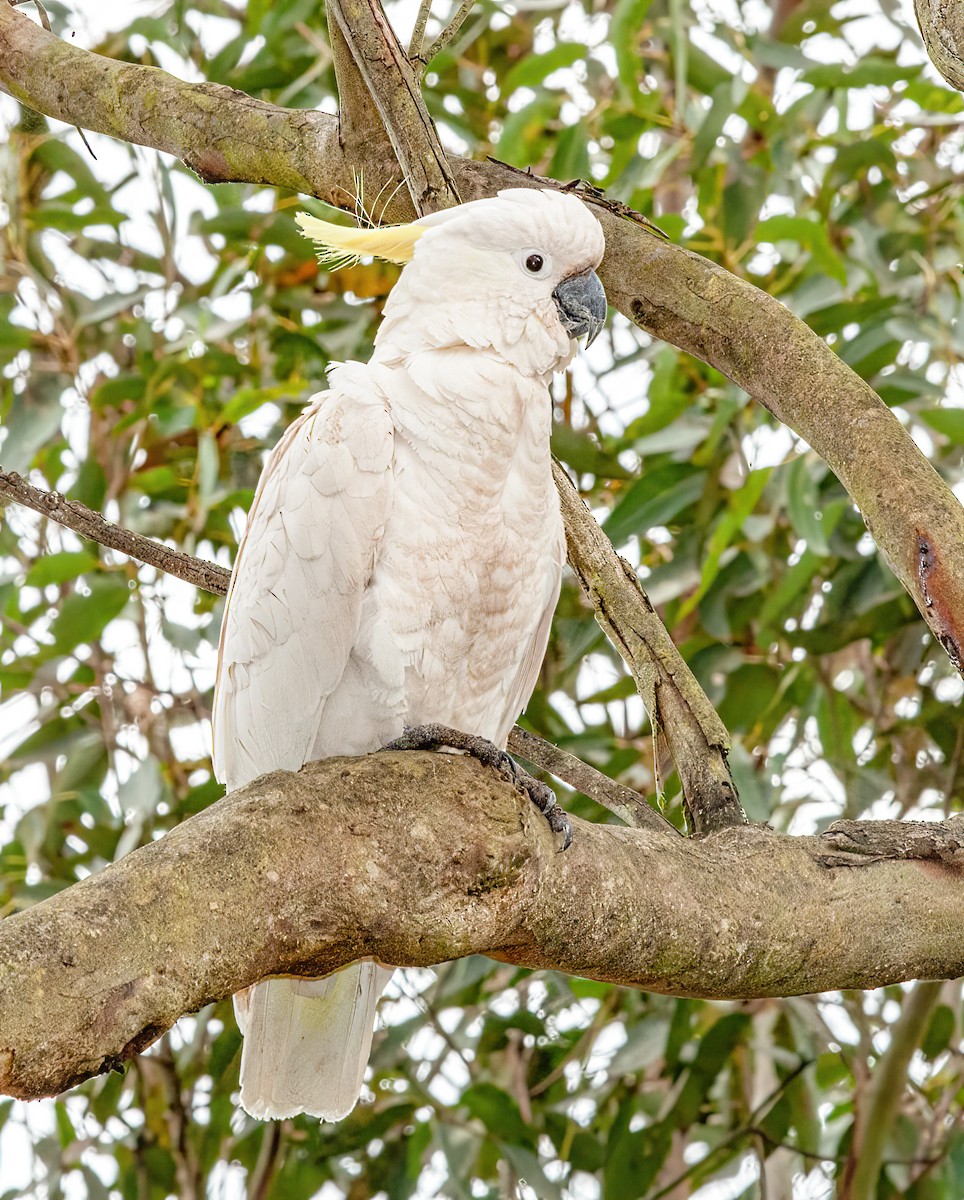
{"x":342,"y":245}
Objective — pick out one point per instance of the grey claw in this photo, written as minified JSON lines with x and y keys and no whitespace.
{"x":430,"y":737}
{"x":544,"y":798}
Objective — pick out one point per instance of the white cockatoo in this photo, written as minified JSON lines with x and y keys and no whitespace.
{"x":402,"y":556}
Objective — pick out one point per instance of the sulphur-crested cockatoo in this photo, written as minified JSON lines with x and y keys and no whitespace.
{"x":402,"y":556}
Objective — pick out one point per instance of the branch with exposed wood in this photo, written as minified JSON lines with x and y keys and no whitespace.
{"x":431,"y":857}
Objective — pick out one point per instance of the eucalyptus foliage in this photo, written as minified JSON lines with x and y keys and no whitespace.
{"x":157,"y":335}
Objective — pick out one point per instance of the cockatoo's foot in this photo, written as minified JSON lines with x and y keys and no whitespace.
{"x":432,"y":737}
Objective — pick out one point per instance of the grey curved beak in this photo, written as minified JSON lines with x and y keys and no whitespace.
{"x":581,"y":302}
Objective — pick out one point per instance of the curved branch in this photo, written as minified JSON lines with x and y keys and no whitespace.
{"x":428,"y":858}
{"x":942,"y":26}
{"x":672,"y":293}
{"x":222,"y":134}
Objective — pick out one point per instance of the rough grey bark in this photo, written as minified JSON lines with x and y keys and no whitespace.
{"x":942,"y":26}
{"x":676,"y":295}
{"x":94,"y":974}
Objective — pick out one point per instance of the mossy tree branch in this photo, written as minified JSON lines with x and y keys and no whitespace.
{"x":674,"y":294}
{"x":89,"y":524}
{"x":431,"y":857}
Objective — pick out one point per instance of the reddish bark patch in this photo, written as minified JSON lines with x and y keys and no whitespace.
{"x":937,"y":589}
{"x":210,"y":165}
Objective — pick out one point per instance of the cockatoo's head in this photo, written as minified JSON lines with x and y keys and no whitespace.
{"x":514,"y":275}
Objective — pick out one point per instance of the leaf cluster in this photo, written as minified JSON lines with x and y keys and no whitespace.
{"x":156,"y":336}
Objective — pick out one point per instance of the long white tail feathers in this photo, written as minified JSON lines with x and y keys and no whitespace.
{"x":307,"y":1041}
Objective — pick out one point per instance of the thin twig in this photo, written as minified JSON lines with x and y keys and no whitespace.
{"x":265,"y":1167}
{"x":41,"y":11}
{"x":628,"y":805}
{"x":418,"y":31}
{"x":877,"y":1106}
{"x":449,"y":32}
{"x":92,"y":525}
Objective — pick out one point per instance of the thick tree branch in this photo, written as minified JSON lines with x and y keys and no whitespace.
{"x":942,"y":26}
{"x":678,"y":296}
{"x":428,"y":858}
{"x":220,"y":133}
{"x":393,"y":85}
{"x":358,"y":117}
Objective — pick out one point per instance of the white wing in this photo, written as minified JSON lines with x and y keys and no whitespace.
{"x":290,"y":623}
{"x":294,"y":604}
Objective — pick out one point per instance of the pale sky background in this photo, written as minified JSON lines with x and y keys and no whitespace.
{"x":625,"y":392}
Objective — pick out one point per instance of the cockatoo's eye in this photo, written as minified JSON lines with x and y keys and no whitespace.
{"x":534,"y":262}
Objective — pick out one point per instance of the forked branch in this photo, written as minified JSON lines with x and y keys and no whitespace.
{"x":678,"y":296}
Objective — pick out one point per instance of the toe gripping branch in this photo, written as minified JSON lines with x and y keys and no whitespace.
{"x":433,"y":737}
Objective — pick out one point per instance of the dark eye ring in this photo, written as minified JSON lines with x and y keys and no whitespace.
{"x":534,"y":263}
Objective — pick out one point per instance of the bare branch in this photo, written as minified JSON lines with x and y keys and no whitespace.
{"x":220,"y":133}
{"x":450,"y":30}
{"x":418,"y":29}
{"x":430,"y":857}
{"x":628,"y":805}
{"x":359,"y":122}
{"x":393,"y":85}
{"x":90,"y":524}
{"x":673,"y":698}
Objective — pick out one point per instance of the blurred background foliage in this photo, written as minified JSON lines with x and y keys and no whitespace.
{"x":157,"y":335}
